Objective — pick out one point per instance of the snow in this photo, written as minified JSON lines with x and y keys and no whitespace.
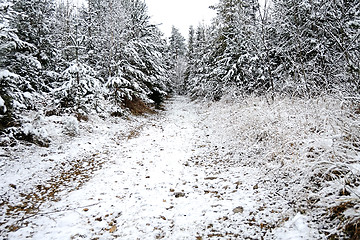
{"x":6,"y":74}
{"x":2,"y":105}
{"x":226,"y":170}
{"x":27,"y":95}
{"x":294,"y":229}
{"x":74,"y":68}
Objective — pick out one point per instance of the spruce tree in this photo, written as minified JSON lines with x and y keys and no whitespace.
{"x":34,"y":25}
{"x":190,"y":58}
{"x":177,"y":51}
{"x":232,"y":45}
{"x":318,"y":46}
{"x":15,"y":88}
{"x":131,"y":52}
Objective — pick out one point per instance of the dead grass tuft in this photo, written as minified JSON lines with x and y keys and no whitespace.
{"x":353,"y":230}
{"x":350,"y":227}
{"x":137,"y":107}
{"x":338,"y":211}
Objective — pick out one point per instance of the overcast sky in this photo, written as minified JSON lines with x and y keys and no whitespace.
{"x":180,"y":13}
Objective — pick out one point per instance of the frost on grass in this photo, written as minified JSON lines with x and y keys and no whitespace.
{"x":307,"y":153}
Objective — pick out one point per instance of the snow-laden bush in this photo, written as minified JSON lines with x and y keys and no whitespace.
{"x":33,"y":134}
{"x":11,"y":90}
{"x":71,"y":126}
{"x":32,"y":129}
{"x":81,"y":89}
{"x":311,"y":147}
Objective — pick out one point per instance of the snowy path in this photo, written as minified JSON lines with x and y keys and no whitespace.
{"x":163,"y":183}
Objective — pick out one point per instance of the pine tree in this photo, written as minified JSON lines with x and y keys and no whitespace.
{"x":201,"y":84}
{"x":177,"y":51}
{"x":134,"y":61}
{"x":318,"y":47}
{"x":176,"y":43}
{"x":226,"y":67}
{"x":33,"y":24}
{"x":80,"y":86}
{"x":190,"y":58}
{"x":14,"y":88}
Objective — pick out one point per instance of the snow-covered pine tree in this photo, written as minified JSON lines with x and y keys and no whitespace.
{"x":146,"y":41}
{"x":14,"y":88}
{"x":81,"y":90}
{"x":78,"y":87}
{"x":200,"y":83}
{"x":34,"y":25}
{"x":235,"y":56}
{"x":291,"y":20}
{"x":229,"y":53}
{"x":190,"y":58}
{"x":94,"y":17}
{"x":134,"y":52}
{"x":317,"y":45}
{"x":177,"y":46}
{"x":227,"y":48}
{"x":177,"y":51}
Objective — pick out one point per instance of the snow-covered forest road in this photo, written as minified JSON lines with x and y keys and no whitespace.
{"x":173,"y":176}
{"x":156,"y":184}
{"x":264,"y":144}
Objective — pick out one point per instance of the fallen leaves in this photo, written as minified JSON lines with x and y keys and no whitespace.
{"x":77,"y":173}
{"x":238,"y":210}
{"x":179,"y":194}
{"x":210,"y":178}
{"x":113,"y":229}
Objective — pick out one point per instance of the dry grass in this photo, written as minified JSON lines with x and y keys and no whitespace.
{"x":137,"y":107}
{"x":309,"y":147}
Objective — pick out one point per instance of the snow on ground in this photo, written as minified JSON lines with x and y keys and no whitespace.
{"x":219,"y":171}
{"x":32,"y":175}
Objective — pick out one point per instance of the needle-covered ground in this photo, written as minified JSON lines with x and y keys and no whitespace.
{"x":249,"y":169}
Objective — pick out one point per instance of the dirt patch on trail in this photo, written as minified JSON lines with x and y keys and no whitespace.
{"x":72,"y":176}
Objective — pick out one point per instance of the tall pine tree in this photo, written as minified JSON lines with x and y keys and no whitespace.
{"x":177,"y":51}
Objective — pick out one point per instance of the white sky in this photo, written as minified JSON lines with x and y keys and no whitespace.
{"x":180,"y":13}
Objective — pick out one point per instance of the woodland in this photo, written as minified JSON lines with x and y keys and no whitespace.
{"x":283,"y":77}
{"x":109,"y":50}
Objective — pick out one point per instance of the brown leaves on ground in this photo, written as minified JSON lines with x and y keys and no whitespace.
{"x":73,"y":178}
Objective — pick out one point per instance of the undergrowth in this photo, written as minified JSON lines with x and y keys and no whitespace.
{"x":309,"y":147}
